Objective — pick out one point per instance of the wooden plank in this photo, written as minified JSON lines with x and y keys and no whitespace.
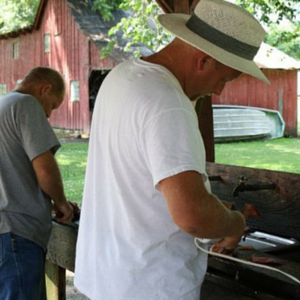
{"x":264,"y":280}
{"x":55,"y":281}
{"x":205,"y":117}
{"x":279,"y":207}
{"x":177,"y":6}
{"x":166,"y":6}
{"x":62,"y":246}
{"x":181,"y":7}
{"x":224,"y":288}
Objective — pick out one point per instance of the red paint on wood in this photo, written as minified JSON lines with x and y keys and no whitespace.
{"x":71,"y":53}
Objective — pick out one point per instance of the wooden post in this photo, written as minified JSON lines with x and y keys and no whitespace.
{"x":60,"y":257}
{"x":205,"y":117}
{"x":55,"y":281}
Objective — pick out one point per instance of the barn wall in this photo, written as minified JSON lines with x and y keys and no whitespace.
{"x":72,"y":54}
{"x":280,"y":95}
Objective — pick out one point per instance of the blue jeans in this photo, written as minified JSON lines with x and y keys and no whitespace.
{"x":22,"y":269}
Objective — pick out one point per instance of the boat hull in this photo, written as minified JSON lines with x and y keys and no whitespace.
{"x":234,"y":123}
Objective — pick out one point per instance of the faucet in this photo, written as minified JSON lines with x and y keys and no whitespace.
{"x":242,"y":187}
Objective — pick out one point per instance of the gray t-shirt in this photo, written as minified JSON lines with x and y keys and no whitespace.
{"x":25,"y":133}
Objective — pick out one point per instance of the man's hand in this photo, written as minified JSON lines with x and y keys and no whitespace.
{"x":76,"y":211}
{"x":226,"y":245}
{"x":64,"y":213}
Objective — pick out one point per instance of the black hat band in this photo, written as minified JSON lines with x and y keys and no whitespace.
{"x":221,"y":39}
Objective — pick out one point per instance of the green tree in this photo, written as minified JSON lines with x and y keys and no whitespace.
{"x":16,"y":14}
{"x":105,"y":7}
{"x":282,"y":22}
{"x":286,"y":38}
{"x":267,"y":10}
{"x":141,"y":27}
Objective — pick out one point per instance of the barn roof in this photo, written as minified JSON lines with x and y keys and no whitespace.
{"x":90,"y":23}
{"x":269,"y":57}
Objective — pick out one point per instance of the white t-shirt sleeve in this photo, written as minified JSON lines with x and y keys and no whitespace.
{"x":172,"y":144}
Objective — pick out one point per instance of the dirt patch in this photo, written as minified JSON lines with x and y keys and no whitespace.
{"x":70,"y":136}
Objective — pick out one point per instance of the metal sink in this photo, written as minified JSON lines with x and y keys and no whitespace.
{"x":269,"y":243}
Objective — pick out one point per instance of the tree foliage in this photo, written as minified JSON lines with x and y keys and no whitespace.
{"x":267,"y":10}
{"x":105,"y":7}
{"x":16,"y":14}
{"x":286,"y":38}
{"x":141,"y":26}
{"x":282,"y":22}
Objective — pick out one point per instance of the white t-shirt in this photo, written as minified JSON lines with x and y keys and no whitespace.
{"x":144,"y":129}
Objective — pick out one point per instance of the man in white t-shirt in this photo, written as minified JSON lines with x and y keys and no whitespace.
{"x":147,"y":194}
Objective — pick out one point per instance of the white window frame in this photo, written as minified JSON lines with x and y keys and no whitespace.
{"x":3,"y":89}
{"x":18,"y":82}
{"x":16,"y":50}
{"x":75,"y":91}
{"x":47,"y":43}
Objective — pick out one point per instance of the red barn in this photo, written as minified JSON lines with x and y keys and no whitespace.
{"x":281,"y":94}
{"x":67,"y":35}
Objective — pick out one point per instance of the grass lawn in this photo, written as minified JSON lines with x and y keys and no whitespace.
{"x":279,"y":155}
{"x":71,"y":158}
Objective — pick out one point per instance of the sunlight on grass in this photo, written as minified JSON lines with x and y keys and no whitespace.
{"x":279,"y":154}
{"x":71,"y":158}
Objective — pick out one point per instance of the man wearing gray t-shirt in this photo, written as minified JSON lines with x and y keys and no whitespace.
{"x":30,"y":183}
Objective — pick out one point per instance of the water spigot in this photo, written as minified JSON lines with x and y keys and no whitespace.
{"x":242,"y":187}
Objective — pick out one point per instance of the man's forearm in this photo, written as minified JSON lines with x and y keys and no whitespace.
{"x":49,"y":178}
{"x":198,"y":212}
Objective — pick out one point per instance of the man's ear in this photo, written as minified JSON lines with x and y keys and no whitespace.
{"x":45,"y":89}
{"x":204,"y":61}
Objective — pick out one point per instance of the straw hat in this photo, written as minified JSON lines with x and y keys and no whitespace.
{"x":222,"y":30}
